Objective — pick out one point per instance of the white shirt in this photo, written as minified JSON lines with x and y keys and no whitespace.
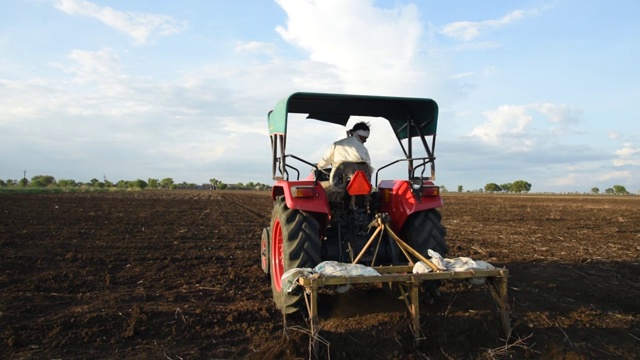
{"x":347,"y":149}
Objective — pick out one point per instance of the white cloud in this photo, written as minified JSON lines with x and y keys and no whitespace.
{"x":469,"y":30}
{"x":140,"y":26}
{"x":483,"y":45}
{"x":88,"y":66}
{"x":615,"y":175}
{"x":561,"y":116}
{"x":628,"y":155}
{"x":567,"y":180}
{"x":614,"y":135}
{"x":511,"y":126}
{"x":463,"y":75}
{"x":256,"y":47}
{"x":340,"y":33}
{"x":503,"y":124}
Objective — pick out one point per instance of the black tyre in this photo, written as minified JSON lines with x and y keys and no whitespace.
{"x":295,"y":243}
{"x":424,"y":231}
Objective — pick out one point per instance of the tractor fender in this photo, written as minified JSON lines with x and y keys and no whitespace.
{"x":314,"y":202}
{"x":397,"y":199}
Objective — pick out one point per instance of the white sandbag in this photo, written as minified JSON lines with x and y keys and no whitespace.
{"x":437,"y":259}
{"x":455,"y":264}
{"x":289,"y":278}
{"x":421,"y":268}
{"x":334,"y":268}
{"x":459,"y":264}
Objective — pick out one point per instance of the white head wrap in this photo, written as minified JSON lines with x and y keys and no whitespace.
{"x":364,"y":133}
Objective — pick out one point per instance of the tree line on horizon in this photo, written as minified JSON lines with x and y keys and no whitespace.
{"x":521,"y":186}
{"x":48,"y":181}
{"x":518,"y":186}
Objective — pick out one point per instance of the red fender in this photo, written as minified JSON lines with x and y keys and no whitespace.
{"x":399,"y":202}
{"x":313,"y":199}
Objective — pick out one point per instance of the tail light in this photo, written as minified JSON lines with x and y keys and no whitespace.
{"x":303,"y":191}
{"x":430,"y":190}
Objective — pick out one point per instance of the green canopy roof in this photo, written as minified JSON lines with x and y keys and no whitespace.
{"x":337,"y":109}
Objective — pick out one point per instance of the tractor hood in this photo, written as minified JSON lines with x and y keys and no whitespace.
{"x":338,"y":108}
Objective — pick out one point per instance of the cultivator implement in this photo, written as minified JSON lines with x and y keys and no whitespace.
{"x":403,"y":277}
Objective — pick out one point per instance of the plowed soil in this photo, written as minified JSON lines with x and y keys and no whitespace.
{"x":176,"y":275}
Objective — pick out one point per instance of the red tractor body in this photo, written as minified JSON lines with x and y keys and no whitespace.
{"x":328,"y":215}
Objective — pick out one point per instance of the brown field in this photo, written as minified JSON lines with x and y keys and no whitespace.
{"x":176,"y":275}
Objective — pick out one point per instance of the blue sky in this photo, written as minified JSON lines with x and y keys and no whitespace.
{"x":542,"y":91}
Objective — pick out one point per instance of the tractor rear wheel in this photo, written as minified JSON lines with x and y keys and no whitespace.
{"x":424,"y":231}
{"x":295,"y":243}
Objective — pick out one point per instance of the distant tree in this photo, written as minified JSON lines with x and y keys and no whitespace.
{"x":153,"y":183}
{"x":217,"y":184}
{"x":262,"y":187}
{"x":520,"y":186}
{"x":595,"y":190}
{"x":2,"y":183}
{"x":167,"y":183}
{"x":94,"y":182}
{"x":608,"y":191}
{"x":506,"y":187}
{"x":67,"y":183}
{"x":43,"y":180}
{"x":107,"y":184}
{"x":122,"y":184}
{"x":492,"y":187}
{"x":620,"y":190}
{"x":460,"y":188}
{"x":139,"y":183}
{"x":443,"y":189}
{"x":239,"y":186}
{"x":222,"y":186}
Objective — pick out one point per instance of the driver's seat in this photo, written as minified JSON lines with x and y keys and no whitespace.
{"x":341,"y":172}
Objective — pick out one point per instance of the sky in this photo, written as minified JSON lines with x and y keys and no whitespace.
{"x":542,"y":91}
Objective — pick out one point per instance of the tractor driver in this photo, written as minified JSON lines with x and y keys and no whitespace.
{"x":349,"y":149}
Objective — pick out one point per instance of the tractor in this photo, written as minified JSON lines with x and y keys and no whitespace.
{"x":330,"y":213}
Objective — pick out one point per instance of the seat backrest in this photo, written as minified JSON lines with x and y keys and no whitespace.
{"x":344,"y":170}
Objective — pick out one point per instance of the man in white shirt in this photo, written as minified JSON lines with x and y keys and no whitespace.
{"x":349,"y":149}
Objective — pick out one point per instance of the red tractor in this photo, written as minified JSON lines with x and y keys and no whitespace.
{"x":329,"y":214}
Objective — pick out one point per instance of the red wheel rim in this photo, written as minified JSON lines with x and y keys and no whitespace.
{"x":277,"y":259}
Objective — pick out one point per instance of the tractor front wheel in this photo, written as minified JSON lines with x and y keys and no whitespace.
{"x":295,"y":243}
